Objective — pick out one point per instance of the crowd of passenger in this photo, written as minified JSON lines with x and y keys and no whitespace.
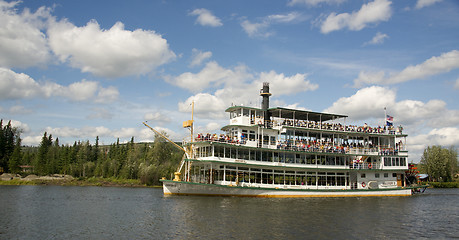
{"x":329,"y":147}
{"x":308,"y":145}
{"x":343,"y":128}
{"x":219,"y":138}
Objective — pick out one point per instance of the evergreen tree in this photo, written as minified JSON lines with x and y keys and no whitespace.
{"x":8,"y":137}
{"x":41,"y":162}
{"x":16,"y":157}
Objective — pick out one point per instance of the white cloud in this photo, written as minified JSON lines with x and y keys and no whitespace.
{"x":427,"y":123}
{"x":206,"y":18}
{"x":115,"y":52}
{"x":370,"y":13}
{"x":365,"y":103}
{"x":211,"y":75}
{"x":22,"y":42}
{"x":23,"y":127}
{"x":377,"y":39}
{"x":314,"y":3}
{"x":370,"y":102}
{"x":425,"y":3}
{"x":199,"y":57}
{"x":260,"y":29}
{"x":234,"y":86}
{"x":19,"y":86}
{"x":448,"y":136}
{"x":256,"y":29}
{"x":432,"y":66}
{"x":107,"y":95}
{"x":283,"y":85}
{"x":31,"y":140}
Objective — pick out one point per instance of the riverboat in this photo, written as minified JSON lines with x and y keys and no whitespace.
{"x":283,"y":152}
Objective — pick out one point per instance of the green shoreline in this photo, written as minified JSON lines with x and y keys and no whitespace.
{"x":113,"y":182}
{"x":100,"y":182}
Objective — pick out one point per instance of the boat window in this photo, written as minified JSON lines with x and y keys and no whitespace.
{"x":289,"y":157}
{"x":376,"y":175}
{"x":252,"y":136}
{"x":386,"y":175}
{"x":331,"y":181}
{"x":219,"y":151}
{"x":273,"y":140}
{"x":310,"y":159}
{"x":266,"y":140}
{"x":394,"y":174}
{"x":402,"y":161}
{"x":362,"y":175}
{"x":244,"y":154}
{"x":253,"y":155}
{"x":245,"y":112}
{"x":322,"y":180}
{"x":233,"y":153}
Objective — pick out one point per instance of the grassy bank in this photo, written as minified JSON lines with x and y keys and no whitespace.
{"x":444,"y":184}
{"x":93,"y":181}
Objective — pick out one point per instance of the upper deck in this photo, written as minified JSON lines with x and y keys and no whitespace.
{"x":284,"y":118}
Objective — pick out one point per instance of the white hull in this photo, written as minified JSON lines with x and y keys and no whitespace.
{"x":186,"y":188}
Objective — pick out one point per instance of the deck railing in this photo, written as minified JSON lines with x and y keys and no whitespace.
{"x":376,"y":150}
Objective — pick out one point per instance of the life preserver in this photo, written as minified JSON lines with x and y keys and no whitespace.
{"x":363,"y":184}
{"x":370,"y":166}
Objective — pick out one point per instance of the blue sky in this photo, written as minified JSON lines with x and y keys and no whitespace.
{"x":81,"y":69}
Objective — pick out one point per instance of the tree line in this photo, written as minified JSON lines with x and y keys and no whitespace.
{"x":147,"y":162}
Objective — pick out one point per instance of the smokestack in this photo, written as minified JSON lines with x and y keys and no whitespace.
{"x":264,"y":92}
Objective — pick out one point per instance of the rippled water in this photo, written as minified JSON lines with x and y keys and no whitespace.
{"x":55,"y":212}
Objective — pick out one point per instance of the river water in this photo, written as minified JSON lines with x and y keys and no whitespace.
{"x":58,"y":212}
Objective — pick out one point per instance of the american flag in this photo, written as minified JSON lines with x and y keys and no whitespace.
{"x":390,"y":118}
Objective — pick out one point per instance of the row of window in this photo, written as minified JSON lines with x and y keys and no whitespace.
{"x":274,"y":156}
{"x":377,"y":175}
{"x":394,"y":161}
{"x":275,"y":177}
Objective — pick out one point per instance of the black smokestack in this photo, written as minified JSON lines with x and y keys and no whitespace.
{"x":264,"y":92}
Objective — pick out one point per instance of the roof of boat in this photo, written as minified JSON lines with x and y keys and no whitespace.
{"x":294,"y":113}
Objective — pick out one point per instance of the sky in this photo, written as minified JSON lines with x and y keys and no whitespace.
{"x":82,"y":69}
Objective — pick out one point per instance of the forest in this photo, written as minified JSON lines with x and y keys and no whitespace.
{"x":147,"y":162}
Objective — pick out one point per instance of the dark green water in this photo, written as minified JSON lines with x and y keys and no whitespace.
{"x":55,"y":212}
